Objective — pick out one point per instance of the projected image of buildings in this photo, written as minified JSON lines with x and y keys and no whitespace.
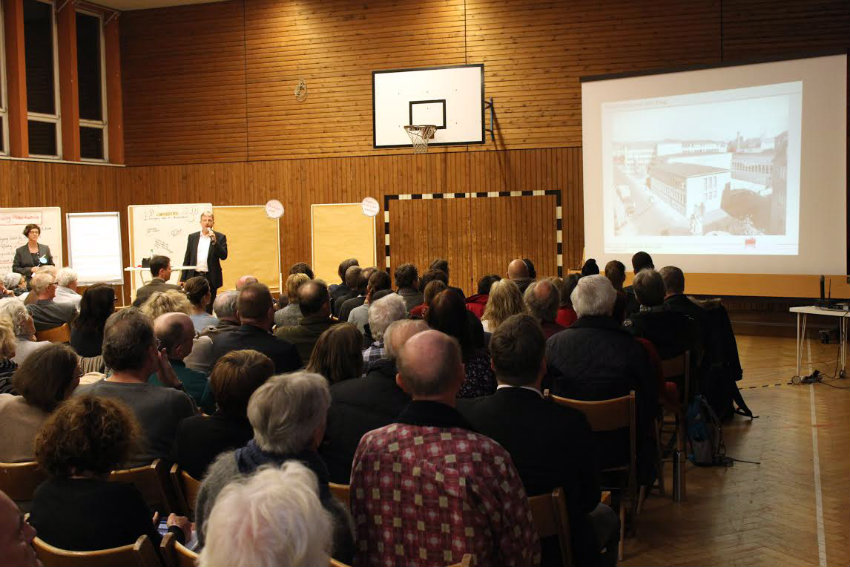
{"x":734,"y":186}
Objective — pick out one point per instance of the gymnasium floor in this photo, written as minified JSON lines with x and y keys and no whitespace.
{"x":794,"y":507}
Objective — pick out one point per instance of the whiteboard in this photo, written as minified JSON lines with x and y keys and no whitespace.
{"x":94,"y":247}
{"x":161,"y":230}
{"x":12,"y":223}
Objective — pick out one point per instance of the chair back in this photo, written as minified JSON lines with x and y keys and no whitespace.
{"x":61,"y":334}
{"x":19,"y":480}
{"x":175,"y":553}
{"x":341,"y":492}
{"x":186,"y":489}
{"x":152,"y":481}
{"x":679,"y":367}
{"x":139,"y":554}
{"x":549,"y":512}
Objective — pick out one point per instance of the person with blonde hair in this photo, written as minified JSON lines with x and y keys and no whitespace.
{"x":288,"y":414}
{"x":162,"y":302}
{"x":271,"y":518}
{"x":505,"y":300}
{"x":290,"y":315}
{"x":8,"y":366}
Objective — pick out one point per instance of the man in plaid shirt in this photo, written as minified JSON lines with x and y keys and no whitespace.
{"x":426,"y":490}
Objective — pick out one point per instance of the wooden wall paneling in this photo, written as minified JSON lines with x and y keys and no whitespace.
{"x":770,"y":28}
{"x":114,"y":95}
{"x":69,"y":92}
{"x":16,"y":77}
{"x":184,"y":84}
{"x":335,"y":46}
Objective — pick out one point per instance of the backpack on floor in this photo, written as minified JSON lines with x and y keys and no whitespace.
{"x":705,"y":434}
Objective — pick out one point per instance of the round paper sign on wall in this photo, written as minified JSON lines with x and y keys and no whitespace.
{"x":370,"y":207}
{"x":274,"y":209}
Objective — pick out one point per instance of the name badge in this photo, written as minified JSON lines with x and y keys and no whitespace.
{"x":42,"y":260}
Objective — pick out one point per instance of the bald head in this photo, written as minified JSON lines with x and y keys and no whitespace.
{"x":430,"y":366}
{"x":245,"y":280}
{"x":398,"y":333}
{"x":175,"y":332}
{"x":517,"y":269}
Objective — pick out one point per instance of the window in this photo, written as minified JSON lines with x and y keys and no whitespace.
{"x":42,"y":79}
{"x":4,"y":114}
{"x":92,"y":86}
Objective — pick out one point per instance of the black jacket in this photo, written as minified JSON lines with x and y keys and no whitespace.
{"x":358,"y":406}
{"x":156,"y":284}
{"x":551,"y":446}
{"x":283,"y":354}
{"x":672,"y":332}
{"x":23,"y":263}
{"x":217,"y":253}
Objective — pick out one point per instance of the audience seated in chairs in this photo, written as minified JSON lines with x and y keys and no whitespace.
{"x":43,"y":381}
{"x":274,"y":517}
{"x":201,"y":439}
{"x":418,"y":312}
{"x":200,"y":296}
{"x":566,"y":314}
{"x":7,"y":353}
{"x":519,"y":274}
{"x":379,"y":286}
{"x":345,"y":292}
{"x":175,"y":337}
{"x":615,"y":271}
{"x":47,"y":313}
{"x":359,"y":297}
{"x":66,"y":288}
{"x":77,"y":508}
{"x":256,"y":315}
{"x":288,"y":414}
{"x":130,"y":351}
{"x":171,"y":301}
{"x":16,"y":536}
{"x":290,"y":315}
{"x":382,"y":314}
{"x":16,"y":313}
{"x":96,"y":305}
{"x":447,"y":313}
{"x":160,"y":267}
{"x":314,"y":301}
{"x":542,"y":299}
{"x":359,"y":406}
{"x":342,"y":288}
{"x":505,"y":299}
{"x":404,"y":480}
{"x":597,"y":359}
{"x":224,"y":308}
{"x":407,"y":285}
{"x":640,"y":261}
{"x":337,"y":355}
{"x":476,"y":303}
{"x":551,"y":446}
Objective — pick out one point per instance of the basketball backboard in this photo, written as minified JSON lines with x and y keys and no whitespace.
{"x":450,"y":98}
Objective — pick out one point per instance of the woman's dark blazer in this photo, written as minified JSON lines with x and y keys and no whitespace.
{"x":23,"y":259}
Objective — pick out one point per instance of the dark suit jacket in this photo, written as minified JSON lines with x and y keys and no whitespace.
{"x":347,"y":307}
{"x":283,"y":354}
{"x":551,"y":446}
{"x":23,"y":263}
{"x":156,"y":284}
{"x":358,"y":406}
{"x":217,"y":253}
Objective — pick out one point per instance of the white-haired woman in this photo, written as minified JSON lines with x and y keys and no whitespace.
{"x":14,"y":311}
{"x":274,"y":517}
{"x":288,"y":415}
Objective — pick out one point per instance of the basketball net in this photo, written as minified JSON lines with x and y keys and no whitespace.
{"x":419,"y":136}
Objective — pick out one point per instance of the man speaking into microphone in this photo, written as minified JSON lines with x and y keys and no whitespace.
{"x":205,"y":250}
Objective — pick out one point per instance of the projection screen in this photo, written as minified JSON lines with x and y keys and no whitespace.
{"x":728,"y":170}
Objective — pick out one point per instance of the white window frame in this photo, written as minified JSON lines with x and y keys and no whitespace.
{"x":56,"y":119}
{"x":104,"y":123}
{"x":4,"y":100}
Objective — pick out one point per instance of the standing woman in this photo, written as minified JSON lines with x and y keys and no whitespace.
{"x":97,"y":304}
{"x":32,"y":255}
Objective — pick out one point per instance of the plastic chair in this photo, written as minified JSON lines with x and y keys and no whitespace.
{"x":139,"y":554}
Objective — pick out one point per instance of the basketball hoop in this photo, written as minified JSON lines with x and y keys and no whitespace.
{"x":419,"y":136}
